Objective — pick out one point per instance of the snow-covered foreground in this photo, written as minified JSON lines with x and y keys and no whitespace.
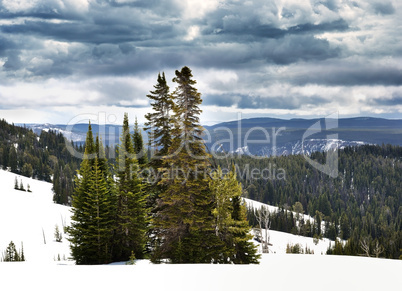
{"x":276,"y":272}
{"x":31,"y":218}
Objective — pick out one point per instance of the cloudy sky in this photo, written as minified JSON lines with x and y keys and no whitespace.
{"x":62,"y":59}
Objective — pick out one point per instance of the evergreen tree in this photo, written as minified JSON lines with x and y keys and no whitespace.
{"x":131,"y":226}
{"x":232,"y":226}
{"x":12,"y":160}
{"x":21,"y":186}
{"x":246,"y":252}
{"x":11,"y":253}
{"x":139,"y":149}
{"x":158,"y":124}
{"x":101,"y":229}
{"x":80,"y":248}
{"x":345,"y":228}
{"x":57,"y":234}
{"x":185,"y":223}
{"x":22,"y":255}
{"x":92,"y":225}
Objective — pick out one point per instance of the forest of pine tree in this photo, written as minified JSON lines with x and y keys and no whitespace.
{"x":363,"y":202}
{"x":41,"y":157}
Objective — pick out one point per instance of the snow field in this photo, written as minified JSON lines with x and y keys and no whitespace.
{"x":275,"y":272}
{"x":30,"y":218}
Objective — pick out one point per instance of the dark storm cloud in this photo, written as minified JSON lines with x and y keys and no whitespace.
{"x":238,"y":22}
{"x":13,"y":62}
{"x":42,"y":10}
{"x":294,"y":101}
{"x":330,"y":4}
{"x":396,"y":99}
{"x":162,"y":8}
{"x":113,"y":23}
{"x":294,"y":48}
{"x":257,"y":30}
{"x":260,"y":42}
{"x":384,"y":8}
{"x":6,"y":44}
{"x":225,"y":100}
{"x":280,"y":102}
{"x":102,"y":32}
{"x":350,"y":74}
{"x":283,"y":51}
{"x":146,"y":34}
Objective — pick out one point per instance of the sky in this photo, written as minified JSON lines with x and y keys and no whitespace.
{"x":64,"y":60}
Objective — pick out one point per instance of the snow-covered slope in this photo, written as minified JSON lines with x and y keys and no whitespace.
{"x":25,"y":217}
{"x":30,"y":218}
{"x":280,"y":240}
{"x":257,"y":205}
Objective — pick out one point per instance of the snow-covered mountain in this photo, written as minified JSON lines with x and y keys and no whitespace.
{"x":308,"y":146}
{"x":75,"y":136}
{"x":265,"y":136}
{"x":77,"y":133}
{"x":271,"y":137}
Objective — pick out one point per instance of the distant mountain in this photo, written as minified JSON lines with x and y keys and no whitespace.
{"x":77,"y":133}
{"x":271,"y":136}
{"x":267,"y":136}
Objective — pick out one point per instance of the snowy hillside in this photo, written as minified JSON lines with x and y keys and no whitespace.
{"x":272,"y":209}
{"x":30,"y":218}
{"x":280,"y":240}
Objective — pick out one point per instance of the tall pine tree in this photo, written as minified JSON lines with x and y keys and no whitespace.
{"x":139,"y":149}
{"x":92,"y":224}
{"x":159,"y":121}
{"x":184,"y":223}
{"x":130,"y":233}
{"x":158,"y":126}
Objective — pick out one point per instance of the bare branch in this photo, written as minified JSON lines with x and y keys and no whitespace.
{"x":378,"y":249}
{"x":365,"y":246}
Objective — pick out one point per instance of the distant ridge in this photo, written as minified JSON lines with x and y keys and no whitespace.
{"x":289,"y":134}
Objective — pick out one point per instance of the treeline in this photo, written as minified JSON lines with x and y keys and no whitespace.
{"x":44,"y":157}
{"x":174,"y":207}
{"x":363,"y":202}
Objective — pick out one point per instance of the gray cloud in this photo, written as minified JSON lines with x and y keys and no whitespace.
{"x":350,"y":74}
{"x":294,"y":48}
{"x":294,"y":101}
{"x":6,"y":44}
{"x":330,"y":4}
{"x":384,"y":8}
{"x":13,"y":62}
{"x":262,"y":42}
{"x":396,"y":99}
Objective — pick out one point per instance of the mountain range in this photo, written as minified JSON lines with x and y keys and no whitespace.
{"x":266,"y":136}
